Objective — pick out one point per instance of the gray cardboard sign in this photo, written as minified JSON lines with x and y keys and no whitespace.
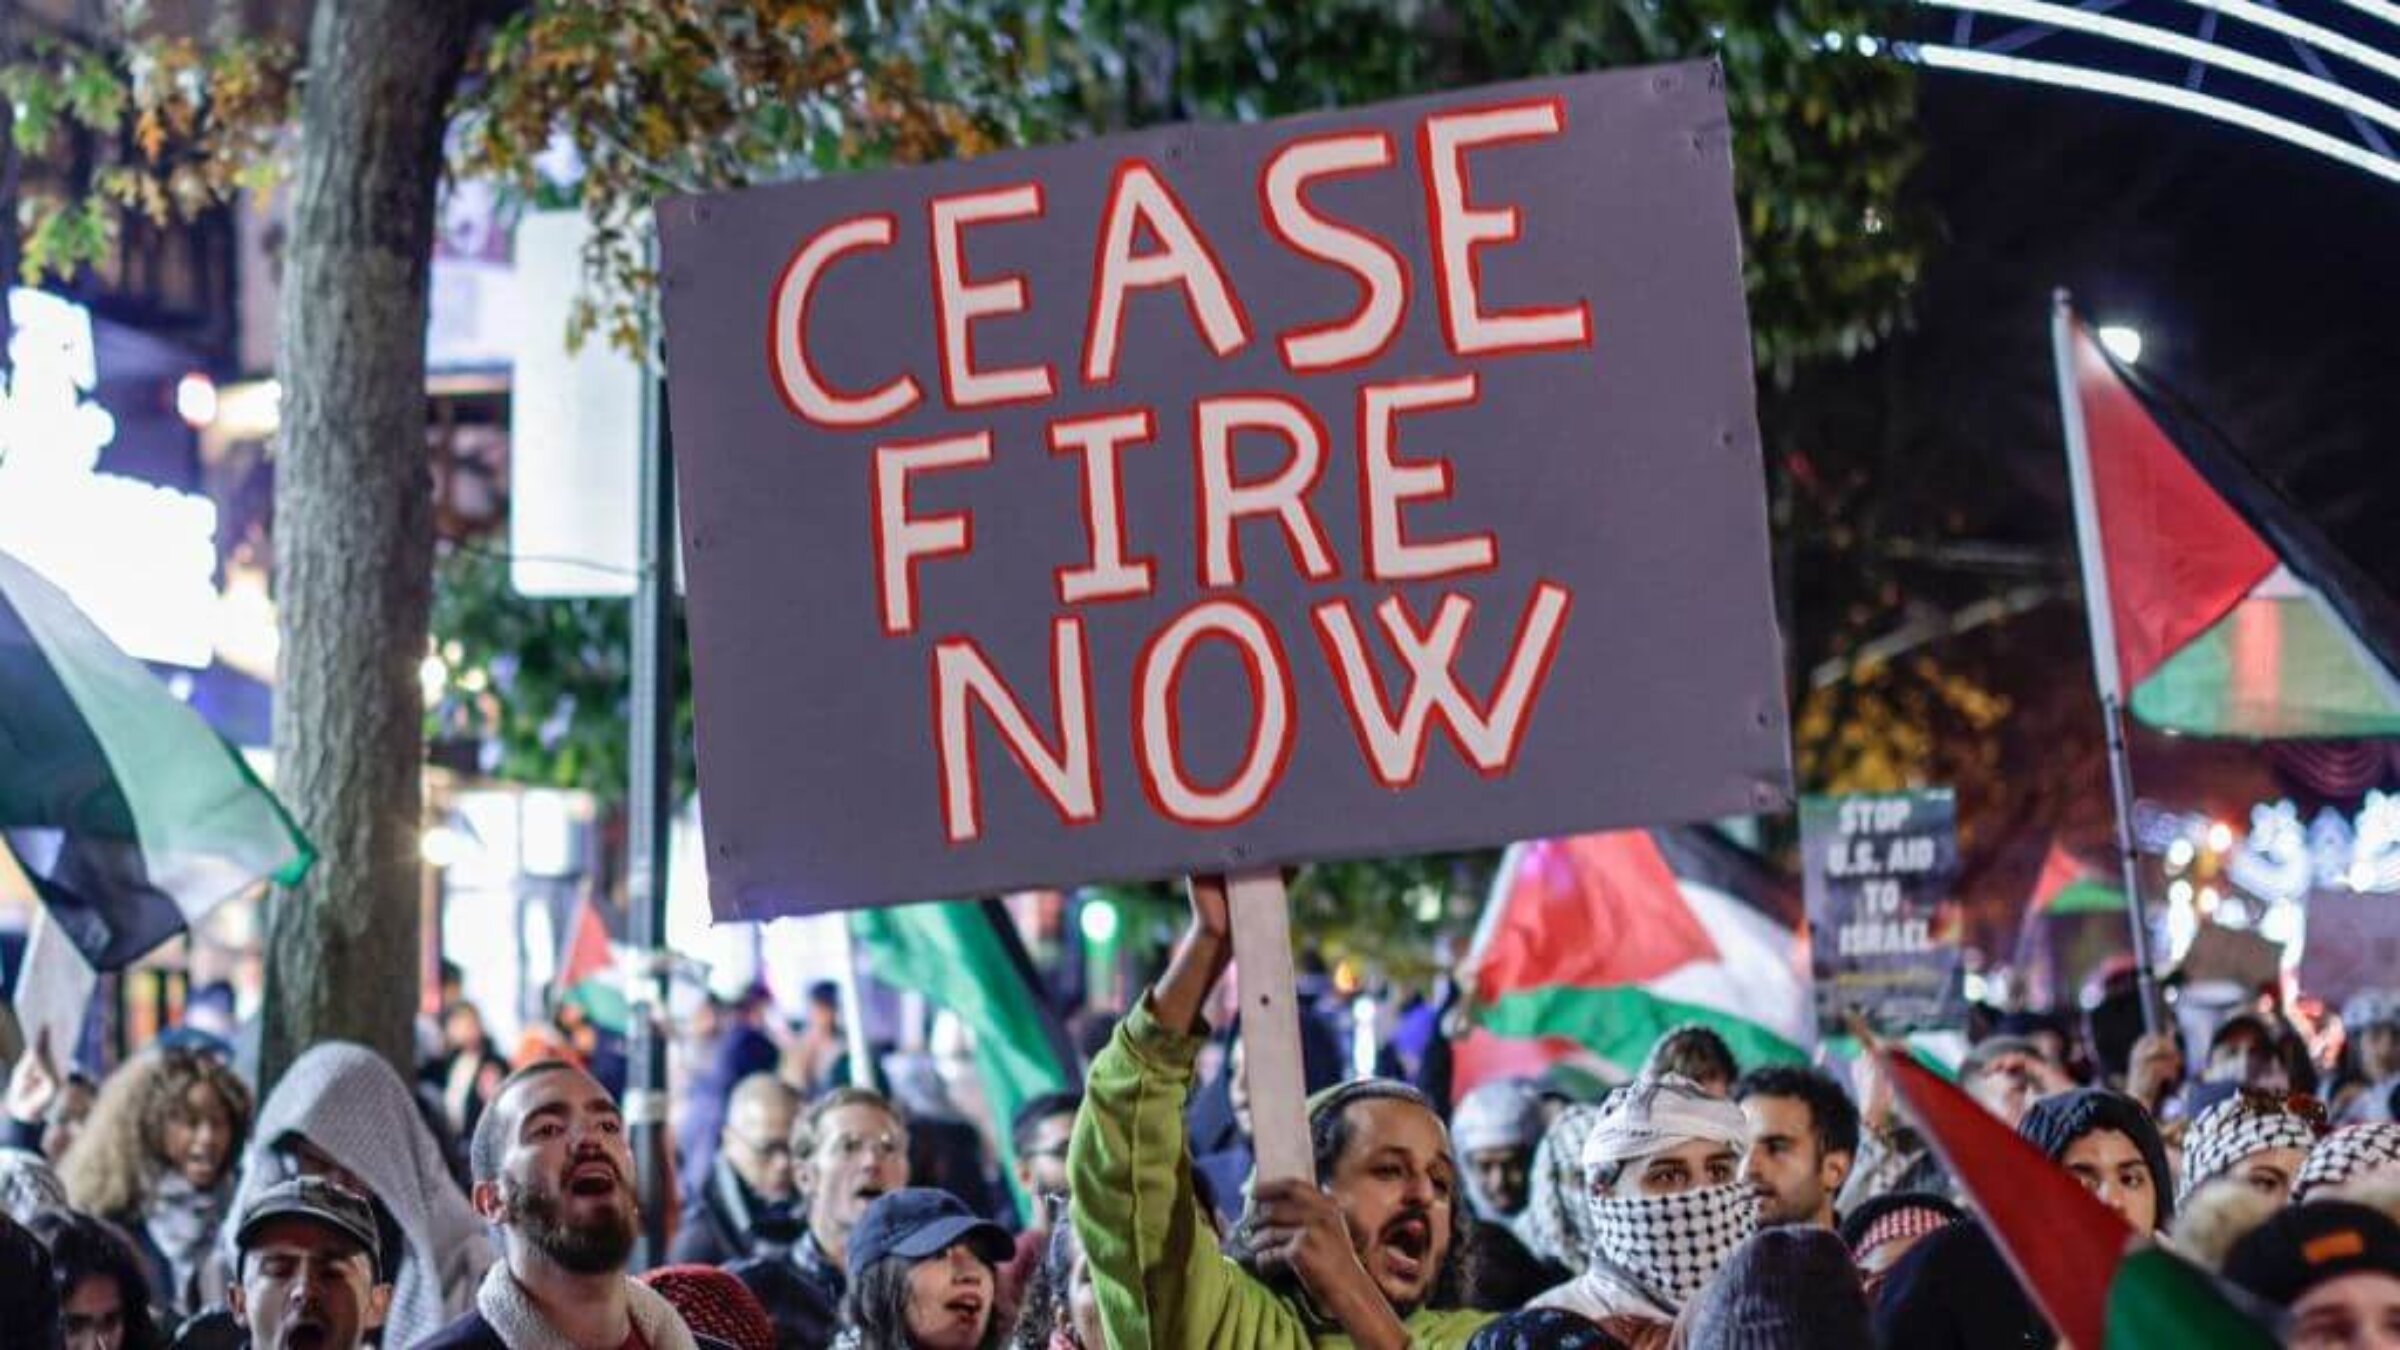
{"x":1437,"y":516}
{"x":1884,"y":926}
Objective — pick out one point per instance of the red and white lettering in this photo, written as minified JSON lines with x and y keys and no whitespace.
{"x":1139,"y":198}
{"x":1284,"y":495}
{"x":901,"y":539}
{"x":1110,"y":575}
{"x":1460,"y":230}
{"x":1283,"y":188}
{"x":960,"y":303}
{"x":1487,"y":737}
{"x":1158,"y":731}
{"x":804,"y":391}
{"x":1386,"y":482}
{"x":963,"y":679}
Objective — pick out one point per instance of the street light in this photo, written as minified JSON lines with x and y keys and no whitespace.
{"x":2123,"y":342}
{"x":196,"y":400}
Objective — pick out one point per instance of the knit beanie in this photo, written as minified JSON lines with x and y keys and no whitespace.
{"x":2053,"y":1124}
{"x":715,"y":1304}
{"x":2306,"y":1245}
{"x":1789,"y":1288}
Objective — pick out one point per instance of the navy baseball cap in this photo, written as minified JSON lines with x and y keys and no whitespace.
{"x":918,"y":1222}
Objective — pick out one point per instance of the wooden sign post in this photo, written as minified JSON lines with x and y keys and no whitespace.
{"x":1262,"y":953}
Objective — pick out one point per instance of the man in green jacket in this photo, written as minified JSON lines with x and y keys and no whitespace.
{"x":1358,"y":1258}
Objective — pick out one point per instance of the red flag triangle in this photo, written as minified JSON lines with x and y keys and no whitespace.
{"x":2063,"y":1242}
{"x":1591,"y":911}
{"x":2178,"y":557}
{"x":587,"y":951}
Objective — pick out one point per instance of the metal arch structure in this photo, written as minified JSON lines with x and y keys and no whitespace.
{"x":2322,"y":75}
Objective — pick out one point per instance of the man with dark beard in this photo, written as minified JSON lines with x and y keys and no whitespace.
{"x":554,"y":1174}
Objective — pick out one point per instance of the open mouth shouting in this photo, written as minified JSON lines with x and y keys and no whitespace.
{"x":967,"y":1308}
{"x":308,"y":1331}
{"x":1404,"y":1251}
{"x":593,"y":1178}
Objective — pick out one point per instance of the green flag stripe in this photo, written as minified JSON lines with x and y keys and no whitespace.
{"x":205,"y":832}
{"x":2271,"y":669}
{"x":53,"y":774}
{"x":2158,"y":1300}
{"x":1620,"y":1023}
{"x":2086,"y":897}
{"x":949,"y":953}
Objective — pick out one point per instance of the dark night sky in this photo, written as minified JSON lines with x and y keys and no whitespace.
{"x":2266,"y":282}
{"x":2265,"y":279}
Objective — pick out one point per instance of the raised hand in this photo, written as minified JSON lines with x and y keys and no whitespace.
{"x":33,"y":1084}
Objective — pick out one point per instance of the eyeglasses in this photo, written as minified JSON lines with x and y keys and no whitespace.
{"x":849,"y":1146}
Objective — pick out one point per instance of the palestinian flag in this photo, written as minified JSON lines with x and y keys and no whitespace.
{"x":129,"y":815}
{"x":965,"y":958}
{"x":2068,"y":885}
{"x":2101,"y":1285}
{"x":2074,"y":920}
{"x":587,"y":971}
{"x":2217,"y":608}
{"x":1595,"y":946}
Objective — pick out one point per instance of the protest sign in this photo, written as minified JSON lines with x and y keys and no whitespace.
{"x":1883,"y":926}
{"x":1213,"y":498}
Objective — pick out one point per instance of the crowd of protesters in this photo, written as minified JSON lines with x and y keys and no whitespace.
{"x":1705,"y":1203}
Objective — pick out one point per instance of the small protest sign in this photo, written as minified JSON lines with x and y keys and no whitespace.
{"x":1213,"y":498}
{"x":1883,"y":925}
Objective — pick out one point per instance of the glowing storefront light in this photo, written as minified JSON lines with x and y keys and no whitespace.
{"x":138,"y":558}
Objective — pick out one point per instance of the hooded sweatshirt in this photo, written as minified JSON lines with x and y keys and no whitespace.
{"x":1162,"y":1283}
{"x":349,"y":1105}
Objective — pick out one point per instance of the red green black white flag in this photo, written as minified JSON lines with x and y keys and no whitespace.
{"x":1593,"y":946}
{"x":2101,"y":1285}
{"x":2217,"y":608}
{"x":132,"y":818}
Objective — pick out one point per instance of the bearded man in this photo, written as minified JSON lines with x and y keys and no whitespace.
{"x":553,"y":1173}
{"x":1663,"y":1168}
{"x":1371,"y":1248}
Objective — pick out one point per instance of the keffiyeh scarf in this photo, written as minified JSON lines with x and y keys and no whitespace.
{"x":2223,"y":1135}
{"x":2347,"y":1154}
{"x":1651,"y":1115}
{"x":1673,"y":1244}
{"x":182,"y":1221}
{"x":1557,"y":1222}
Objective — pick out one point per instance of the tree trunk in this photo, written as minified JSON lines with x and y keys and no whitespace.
{"x":353,"y":521}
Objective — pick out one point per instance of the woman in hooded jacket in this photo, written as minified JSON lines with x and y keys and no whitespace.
{"x":341,"y":1112}
{"x":157,"y":1160}
{"x":1954,"y":1291}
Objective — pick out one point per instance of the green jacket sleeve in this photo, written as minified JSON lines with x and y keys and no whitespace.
{"x":1161,"y":1282}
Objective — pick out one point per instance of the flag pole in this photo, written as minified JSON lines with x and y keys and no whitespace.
{"x":650,"y":807}
{"x":854,"y":1020}
{"x":2101,"y":621}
